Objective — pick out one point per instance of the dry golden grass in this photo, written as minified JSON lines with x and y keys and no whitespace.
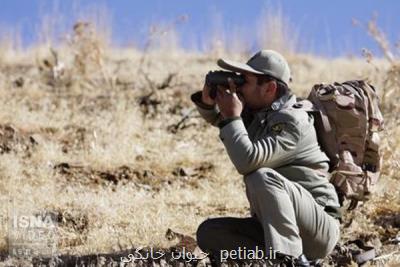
{"x":95,"y":135}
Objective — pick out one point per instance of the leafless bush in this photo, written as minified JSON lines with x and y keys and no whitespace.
{"x":53,"y":71}
{"x":391,"y":74}
{"x":89,"y":52}
{"x":277,"y":33}
{"x":87,"y":67}
{"x":150,"y":100}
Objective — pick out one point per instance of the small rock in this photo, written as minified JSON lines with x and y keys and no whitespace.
{"x":19,"y":82}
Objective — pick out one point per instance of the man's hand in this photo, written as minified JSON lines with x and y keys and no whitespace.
{"x":228,"y":101}
{"x":205,"y":96}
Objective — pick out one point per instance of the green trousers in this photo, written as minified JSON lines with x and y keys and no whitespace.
{"x":285,"y":217}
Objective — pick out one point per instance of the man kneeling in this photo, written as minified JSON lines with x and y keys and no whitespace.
{"x":294,"y":208}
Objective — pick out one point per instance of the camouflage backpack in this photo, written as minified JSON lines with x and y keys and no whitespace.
{"x":347,"y":122}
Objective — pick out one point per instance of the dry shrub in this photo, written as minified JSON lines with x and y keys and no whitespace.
{"x":391,"y":149}
{"x":389,"y":96}
{"x":216,"y":44}
{"x":76,"y":57}
{"x":53,"y":72}
{"x":4,"y":49}
{"x":10,"y":43}
{"x":386,"y":75}
{"x":276,"y":32}
{"x":81,"y":63}
{"x":88,"y":48}
{"x":236,"y":44}
{"x":391,"y":73}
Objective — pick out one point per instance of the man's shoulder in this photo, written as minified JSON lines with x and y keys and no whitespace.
{"x":289,"y":114}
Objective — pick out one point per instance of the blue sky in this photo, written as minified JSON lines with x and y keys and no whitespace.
{"x":325,"y":26}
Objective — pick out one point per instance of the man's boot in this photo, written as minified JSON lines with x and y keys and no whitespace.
{"x":302,"y":261}
{"x":289,"y":261}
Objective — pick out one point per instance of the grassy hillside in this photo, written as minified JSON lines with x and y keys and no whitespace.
{"x":107,"y":141}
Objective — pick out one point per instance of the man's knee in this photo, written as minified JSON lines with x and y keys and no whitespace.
{"x":263,"y":178}
{"x":205,"y":232}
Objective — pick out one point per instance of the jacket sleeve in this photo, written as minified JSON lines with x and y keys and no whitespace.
{"x":275,"y":148}
{"x":209,"y":113}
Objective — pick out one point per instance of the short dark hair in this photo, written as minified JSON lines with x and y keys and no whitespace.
{"x":282,"y":87}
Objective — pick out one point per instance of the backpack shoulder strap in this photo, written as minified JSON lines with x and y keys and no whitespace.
{"x":315,"y":109}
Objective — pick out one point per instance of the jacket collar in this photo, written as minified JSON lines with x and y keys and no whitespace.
{"x":284,"y":101}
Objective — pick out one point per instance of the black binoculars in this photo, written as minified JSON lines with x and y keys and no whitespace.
{"x":215,"y":78}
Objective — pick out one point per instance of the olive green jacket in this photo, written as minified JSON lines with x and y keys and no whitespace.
{"x":280,"y":137}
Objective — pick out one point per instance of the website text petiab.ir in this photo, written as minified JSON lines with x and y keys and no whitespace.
{"x":242,"y":253}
